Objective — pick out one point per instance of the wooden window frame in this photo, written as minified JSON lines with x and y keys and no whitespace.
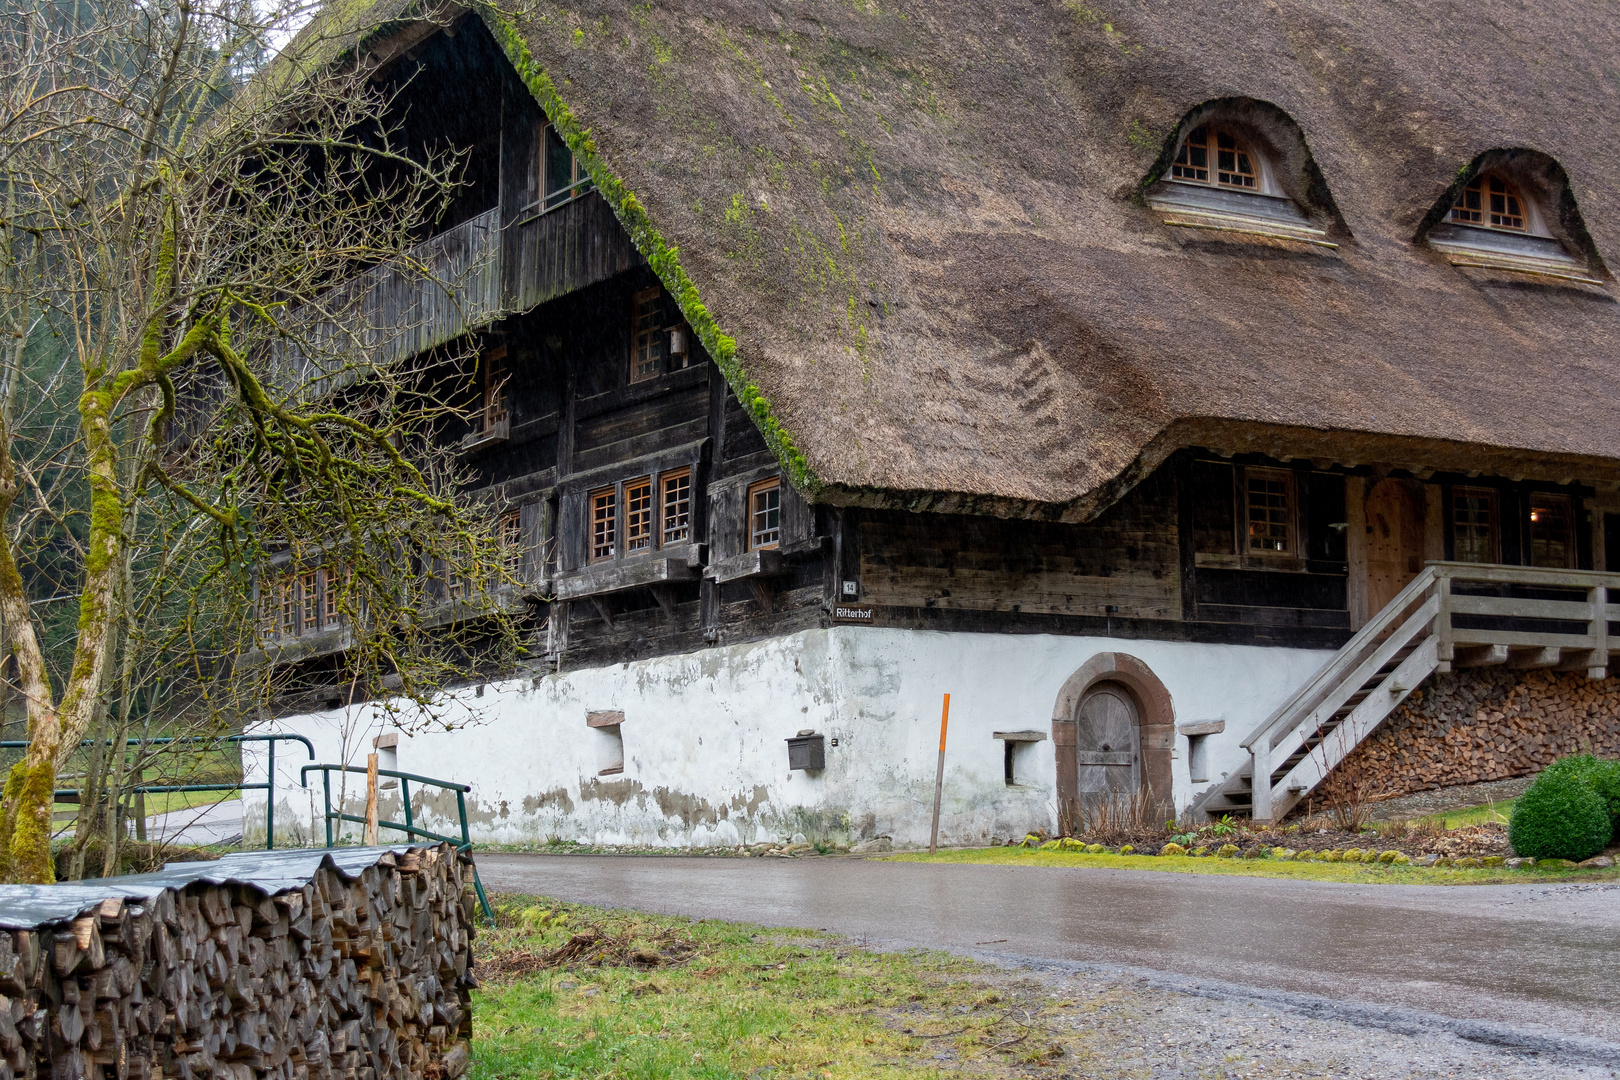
{"x":330,"y":587}
{"x":492,"y":402}
{"x":1493,"y":504}
{"x":594,"y":521}
{"x":1205,"y":140}
{"x":579,"y":180}
{"x":1548,"y":498}
{"x":759,"y":487}
{"x":653,"y":335}
{"x":639,"y":520}
{"x":665,"y":480}
{"x":509,"y":531}
{"x":1474,"y":206}
{"x":1290,"y":513}
{"x":309,"y":602}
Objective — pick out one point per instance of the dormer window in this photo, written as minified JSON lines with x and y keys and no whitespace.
{"x":1492,"y":202}
{"x":1506,"y":216}
{"x":1234,"y":162}
{"x":1229,"y":173}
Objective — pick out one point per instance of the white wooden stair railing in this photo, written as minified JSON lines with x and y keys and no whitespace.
{"x":1415,"y":635}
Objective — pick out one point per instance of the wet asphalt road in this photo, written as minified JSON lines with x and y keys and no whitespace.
{"x":1514,"y":964}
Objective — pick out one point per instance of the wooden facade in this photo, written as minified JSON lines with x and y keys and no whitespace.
{"x":1238,"y":549}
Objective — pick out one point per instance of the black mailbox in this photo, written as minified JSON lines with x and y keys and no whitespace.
{"x":807,"y":752}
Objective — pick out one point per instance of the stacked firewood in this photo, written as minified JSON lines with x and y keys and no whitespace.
{"x":366,"y":978}
{"x":1490,"y":724}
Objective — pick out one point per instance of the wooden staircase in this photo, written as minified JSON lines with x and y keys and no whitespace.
{"x":1452,"y":615}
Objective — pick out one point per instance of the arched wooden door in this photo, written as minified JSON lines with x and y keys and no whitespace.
{"x":1394,"y":539}
{"x":1108,"y":754}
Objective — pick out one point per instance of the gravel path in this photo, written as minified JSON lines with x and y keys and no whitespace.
{"x":1444,"y":800}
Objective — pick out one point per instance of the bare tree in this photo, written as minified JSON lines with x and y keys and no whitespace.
{"x":187,"y":387}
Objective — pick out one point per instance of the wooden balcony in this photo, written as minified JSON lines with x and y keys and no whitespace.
{"x":463,"y":279}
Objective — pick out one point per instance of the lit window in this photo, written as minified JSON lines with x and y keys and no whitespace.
{"x":1271,"y":515}
{"x":563,"y":177}
{"x":604,"y":523}
{"x":638,"y":515}
{"x":647,"y":338}
{"x":677,"y":509}
{"x":1491,"y":202}
{"x":1234,"y":161}
{"x":1550,"y":532}
{"x":309,"y":608}
{"x":1473,"y":525}
{"x":765,"y":514}
{"x":511,"y":539}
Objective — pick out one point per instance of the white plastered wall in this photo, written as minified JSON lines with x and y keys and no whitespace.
{"x":705,"y":756}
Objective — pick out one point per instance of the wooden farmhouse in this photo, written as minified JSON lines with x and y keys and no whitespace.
{"x":1192,"y":392}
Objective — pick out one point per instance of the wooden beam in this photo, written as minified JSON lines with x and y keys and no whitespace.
{"x":1473,"y":656}
{"x":1533,"y":658}
{"x":665,"y":595}
{"x":762,"y":592}
{"x":603,"y":609}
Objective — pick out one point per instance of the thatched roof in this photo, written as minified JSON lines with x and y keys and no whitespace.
{"x":922,"y":223}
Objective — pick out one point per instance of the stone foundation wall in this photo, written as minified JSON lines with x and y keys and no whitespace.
{"x":1489,"y":724}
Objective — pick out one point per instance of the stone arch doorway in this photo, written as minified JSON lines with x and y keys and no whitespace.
{"x":1112,"y":700}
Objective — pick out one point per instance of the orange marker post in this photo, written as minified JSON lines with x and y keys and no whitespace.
{"x":939,"y":775}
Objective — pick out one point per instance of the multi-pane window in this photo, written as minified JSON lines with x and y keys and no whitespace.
{"x":330,"y":590}
{"x":1550,"y":532}
{"x":1233,"y":165}
{"x":647,"y":338}
{"x":275,"y":612}
{"x":1473,"y":524}
{"x":511,"y":540}
{"x":676,"y":518}
{"x":1270,"y":499}
{"x":562,"y":176}
{"x":1491,"y":202}
{"x":1192,"y":161}
{"x":1234,"y":162}
{"x":765,"y":514}
{"x":309,"y":602}
{"x":289,"y":604}
{"x":638,"y":515}
{"x":492,"y":406}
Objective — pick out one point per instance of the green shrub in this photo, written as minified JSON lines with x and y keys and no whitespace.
{"x":1560,"y":817}
{"x":1601,"y":776}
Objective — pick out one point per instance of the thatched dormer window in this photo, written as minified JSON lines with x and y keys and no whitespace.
{"x":1492,"y":202}
{"x":1514,"y":211}
{"x":1234,"y":162}
{"x":1240,"y":167}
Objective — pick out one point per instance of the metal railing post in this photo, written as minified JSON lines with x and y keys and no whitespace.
{"x":270,"y":802}
{"x":326,"y":799}
{"x":405,"y":795}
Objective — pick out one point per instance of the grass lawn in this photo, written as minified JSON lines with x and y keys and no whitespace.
{"x":1357,"y":873}
{"x":163,"y":801}
{"x":736,"y":1001}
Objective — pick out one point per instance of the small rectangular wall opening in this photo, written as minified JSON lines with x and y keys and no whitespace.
{"x":1015,"y":750}
{"x":609,"y":741}
{"x":1198,"y":758}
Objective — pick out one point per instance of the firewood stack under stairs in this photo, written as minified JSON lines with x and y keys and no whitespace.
{"x":1451,"y":616}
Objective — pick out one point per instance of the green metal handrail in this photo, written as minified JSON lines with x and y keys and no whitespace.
{"x":409,"y":827}
{"x":268,"y":787}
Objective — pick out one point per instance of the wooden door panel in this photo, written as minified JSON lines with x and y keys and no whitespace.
{"x":1395,"y":518}
{"x":1108,"y":757}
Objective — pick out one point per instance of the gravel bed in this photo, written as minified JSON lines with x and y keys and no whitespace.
{"x":1125,"y":1026}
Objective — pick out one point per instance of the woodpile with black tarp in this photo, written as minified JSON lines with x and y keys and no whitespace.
{"x":348,"y":964}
